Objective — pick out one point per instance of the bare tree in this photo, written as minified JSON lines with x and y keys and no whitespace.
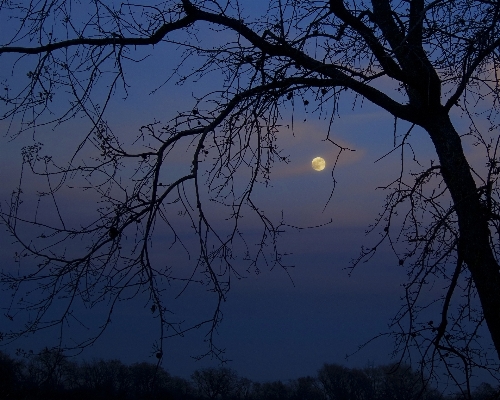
{"x":216,"y":383}
{"x":49,"y":371}
{"x":418,"y":60}
{"x":340,"y":382}
{"x":307,"y":388}
{"x":108,"y":378}
{"x":10,"y":376}
{"x":273,"y":390}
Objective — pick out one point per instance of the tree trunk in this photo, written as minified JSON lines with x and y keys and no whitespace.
{"x":472,"y":219}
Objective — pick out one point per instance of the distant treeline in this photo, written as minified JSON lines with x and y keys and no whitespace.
{"x":51,"y":375}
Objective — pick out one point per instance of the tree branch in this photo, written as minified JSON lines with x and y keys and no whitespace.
{"x":108,"y":41}
{"x":391,"y":68}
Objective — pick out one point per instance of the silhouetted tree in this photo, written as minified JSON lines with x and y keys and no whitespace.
{"x":402,"y":383}
{"x":104,"y":378}
{"x":48,"y":373}
{"x":180,"y":389}
{"x":243,"y":389}
{"x":215,"y":383}
{"x":486,"y":392}
{"x":422,"y":61}
{"x":11,"y":377}
{"x":340,"y":382}
{"x":111,"y":379}
{"x":275,"y":390}
{"x":148,"y":381}
{"x":307,"y":388}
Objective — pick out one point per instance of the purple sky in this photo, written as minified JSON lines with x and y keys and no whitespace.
{"x":272,"y":329}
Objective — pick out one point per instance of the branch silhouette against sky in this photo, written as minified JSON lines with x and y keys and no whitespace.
{"x":116,"y":200}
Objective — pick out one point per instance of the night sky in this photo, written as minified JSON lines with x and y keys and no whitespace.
{"x":277,"y":324}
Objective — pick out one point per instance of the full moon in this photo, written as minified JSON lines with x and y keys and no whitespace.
{"x":318,"y":164}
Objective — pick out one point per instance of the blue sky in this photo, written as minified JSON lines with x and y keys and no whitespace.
{"x":273,"y":328}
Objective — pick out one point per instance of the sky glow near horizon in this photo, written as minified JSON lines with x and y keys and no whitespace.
{"x":276,"y":326}
{"x":289,"y":324}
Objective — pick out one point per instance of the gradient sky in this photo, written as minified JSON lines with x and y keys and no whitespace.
{"x":274,"y":327}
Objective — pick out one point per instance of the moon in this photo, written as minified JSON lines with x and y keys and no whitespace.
{"x":318,"y":164}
